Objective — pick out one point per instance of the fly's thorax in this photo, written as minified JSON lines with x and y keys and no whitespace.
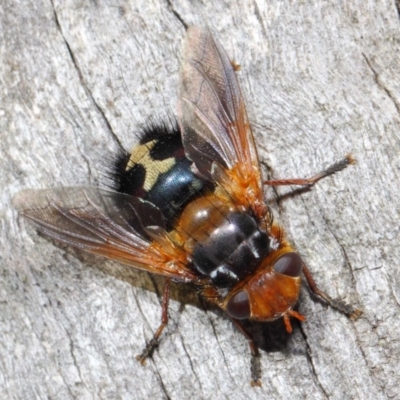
{"x":201,"y":217}
{"x":225,"y":241}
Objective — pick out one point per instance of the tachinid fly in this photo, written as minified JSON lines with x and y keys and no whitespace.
{"x":188,"y":204}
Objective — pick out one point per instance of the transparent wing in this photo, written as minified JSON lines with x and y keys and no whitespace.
{"x":212,"y":114}
{"x":103,"y":222}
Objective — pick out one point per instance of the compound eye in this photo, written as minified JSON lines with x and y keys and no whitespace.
{"x":238,"y":306}
{"x":289,"y":264}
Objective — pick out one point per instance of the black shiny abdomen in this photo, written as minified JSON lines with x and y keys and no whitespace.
{"x":233,"y":251}
{"x":173,"y":189}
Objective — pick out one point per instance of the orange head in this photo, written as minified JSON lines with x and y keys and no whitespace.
{"x":270,"y":293}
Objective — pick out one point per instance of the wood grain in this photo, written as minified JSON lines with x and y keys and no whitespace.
{"x":321,"y":79}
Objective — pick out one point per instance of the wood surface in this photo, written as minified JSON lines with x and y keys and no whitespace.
{"x":320,"y":78}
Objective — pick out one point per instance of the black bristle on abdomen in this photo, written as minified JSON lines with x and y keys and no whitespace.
{"x":157,"y":170}
{"x":131,"y":183}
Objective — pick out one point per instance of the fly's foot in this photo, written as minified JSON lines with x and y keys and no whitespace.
{"x":147,"y":351}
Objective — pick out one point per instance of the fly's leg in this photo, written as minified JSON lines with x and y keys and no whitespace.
{"x":148,"y":350}
{"x":347,"y":309}
{"x":336,"y":167}
{"x":255,"y":354}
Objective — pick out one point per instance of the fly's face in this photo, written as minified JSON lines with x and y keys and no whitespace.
{"x":188,"y":204}
{"x":271,"y":292}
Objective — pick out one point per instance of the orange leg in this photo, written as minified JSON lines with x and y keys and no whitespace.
{"x":286,"y":319}
{"x":347,"y":309}
{"x":148,"y":350}
{"x":336,"y":167}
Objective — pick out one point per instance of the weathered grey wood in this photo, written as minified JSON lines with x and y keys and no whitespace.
{"x":321,"y":79}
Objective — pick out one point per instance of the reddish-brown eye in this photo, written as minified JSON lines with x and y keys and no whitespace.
{"x":289,"y":264}
{"x":238,"y":306}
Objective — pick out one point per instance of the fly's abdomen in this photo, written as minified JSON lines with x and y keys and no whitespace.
{"x":158,"y":171}
{"x":173,"y":189}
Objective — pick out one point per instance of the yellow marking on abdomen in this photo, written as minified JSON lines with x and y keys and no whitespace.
{"x":141,"y":155}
